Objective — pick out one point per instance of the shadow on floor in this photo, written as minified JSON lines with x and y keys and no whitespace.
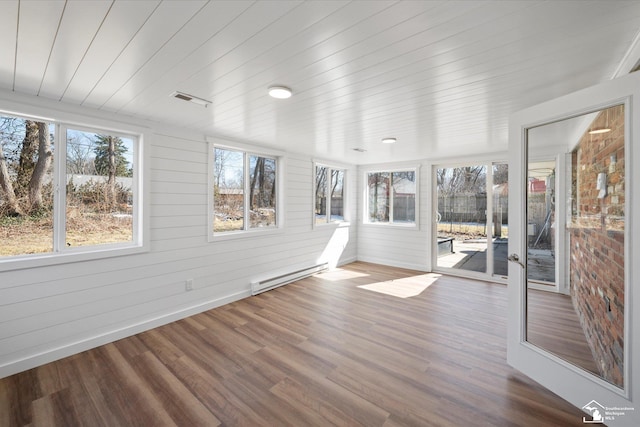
{"x":471,"y":255}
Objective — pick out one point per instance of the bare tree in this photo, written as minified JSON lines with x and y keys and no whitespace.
{"x":378,"y":181}
{"x":258,"y":174}
{"x":262,"y":189}
{"x":271,"y":173}
{"x":27,"y":161}
{"x":45,"y":155}
{"x":461,"y":180}
{"x":80,"y":158}
{"x":23,"y":189}
{"x":501,"y":173}
{"x":7,"y":186}
{"x":111,"y":180}
{"x":321,"y":178}
{"x":335,"y":181}
{"x":220,"y":157}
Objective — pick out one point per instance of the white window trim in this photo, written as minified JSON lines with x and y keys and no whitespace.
{"x":246,"y":149}
{"x":345,"y":195}
{"x":365,"y":193}
{"x":61,"y":254}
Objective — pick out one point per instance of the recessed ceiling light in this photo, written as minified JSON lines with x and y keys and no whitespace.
{"x":389,"y":140}
{"x":602,"y":129}
{"x":280,"y":92}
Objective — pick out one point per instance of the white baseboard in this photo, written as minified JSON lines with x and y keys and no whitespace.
{"x":32,"y":361}
{"x":347,"y":261}
{"x":56,"y":353}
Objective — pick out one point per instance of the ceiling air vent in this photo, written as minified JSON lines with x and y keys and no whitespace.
{"x":190,"y":98}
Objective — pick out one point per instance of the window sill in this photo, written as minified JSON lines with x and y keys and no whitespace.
{"x":412,"y":226}
{"x":335,"y":224}
{"x":245,"y":234}
{"x":22,"y":262}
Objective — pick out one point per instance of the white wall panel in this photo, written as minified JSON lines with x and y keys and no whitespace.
{"x":52,"y":311}
{"x":396,"y":245}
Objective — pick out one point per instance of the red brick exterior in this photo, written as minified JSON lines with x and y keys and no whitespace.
{"x":597,"y":243}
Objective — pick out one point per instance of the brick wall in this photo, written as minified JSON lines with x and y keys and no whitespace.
{"x":597,"y":243}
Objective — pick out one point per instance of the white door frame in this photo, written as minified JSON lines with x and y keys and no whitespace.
{"x":457,"y":163}
{"x":559,"y":284}
{"x":568,"y":381}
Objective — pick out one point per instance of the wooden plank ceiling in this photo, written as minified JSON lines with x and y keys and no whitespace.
{"x":442,"y":77}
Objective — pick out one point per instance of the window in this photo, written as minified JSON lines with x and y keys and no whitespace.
{"x":391,"y":197}
{"x":96,"y":172}
{"x":244,"y":191}
{"x":99,"y":188}
{"x":329,"y":195}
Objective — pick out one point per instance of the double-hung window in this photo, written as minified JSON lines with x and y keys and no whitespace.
{"x":66,"y":190}
{"x":245,"y":187}
{"x":391,"y":197}
{"x":329,"y":194}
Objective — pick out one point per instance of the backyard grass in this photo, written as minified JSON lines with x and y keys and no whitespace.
{"x":33,"y":236}
{"x":228,"y":220}
{"x":464,"y":230}
{"x":227,"y":225}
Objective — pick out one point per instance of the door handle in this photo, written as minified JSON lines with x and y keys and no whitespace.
{"x":515,"y":258}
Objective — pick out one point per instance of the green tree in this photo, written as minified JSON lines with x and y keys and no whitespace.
{"x":110,"y":159}
{"x":111,"y":162}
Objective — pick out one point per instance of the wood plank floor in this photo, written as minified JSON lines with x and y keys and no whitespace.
{"x":364,"y":345}
{"x":555,"y":327}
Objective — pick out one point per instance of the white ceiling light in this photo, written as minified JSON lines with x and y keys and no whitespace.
{"x":389,"y":140}
{"x":597,"y":131}
{"x":603,"y":129}
{"x":280,"y":92}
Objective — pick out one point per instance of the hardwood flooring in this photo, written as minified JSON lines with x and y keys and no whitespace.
{"x":363,"y":345}
{"x":555,"y":327}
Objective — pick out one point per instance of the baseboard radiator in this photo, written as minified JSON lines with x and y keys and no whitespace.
{"x":283,"y":279}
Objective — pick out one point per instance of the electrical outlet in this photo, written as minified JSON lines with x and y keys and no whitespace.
{"x":188,"y":285}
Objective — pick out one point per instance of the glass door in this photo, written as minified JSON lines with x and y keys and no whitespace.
{"x":471,"y":219}
{"x":541,"y":222}
{"x":462,"y":218}
{"x":573,"y":219}
{"x":500,"y":218}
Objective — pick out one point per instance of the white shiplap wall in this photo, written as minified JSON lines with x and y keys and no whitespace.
{"x":405,"y":247}
{"x":53,"y":311}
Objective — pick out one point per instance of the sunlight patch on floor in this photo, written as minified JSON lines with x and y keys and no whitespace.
{"x":339,"y":274}
{"x":403,"y":288}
